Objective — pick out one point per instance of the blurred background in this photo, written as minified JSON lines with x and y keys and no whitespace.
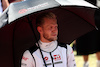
{"x":92,"y":60}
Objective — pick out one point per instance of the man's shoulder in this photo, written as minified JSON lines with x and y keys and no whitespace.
{"x":33,"y":48}
{"x":62,"y":45}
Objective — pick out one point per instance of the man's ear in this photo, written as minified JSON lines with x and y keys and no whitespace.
{"x":39,"y":29}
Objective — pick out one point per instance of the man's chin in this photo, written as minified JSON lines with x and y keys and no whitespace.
{"x":54,"y":39}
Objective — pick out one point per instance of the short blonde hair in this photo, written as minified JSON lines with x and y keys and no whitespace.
{"x":40,"y":18}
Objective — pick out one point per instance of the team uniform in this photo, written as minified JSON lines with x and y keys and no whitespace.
{"x":55,"y":55}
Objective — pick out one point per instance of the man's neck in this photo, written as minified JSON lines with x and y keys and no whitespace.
{"x":48,"y":47}
{"x":44,"y":40}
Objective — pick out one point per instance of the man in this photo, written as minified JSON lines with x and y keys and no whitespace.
{"x":55,"y":54}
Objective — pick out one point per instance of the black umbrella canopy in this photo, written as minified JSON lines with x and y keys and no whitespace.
{"x":16,"y":37}
{"x":66,"y":12}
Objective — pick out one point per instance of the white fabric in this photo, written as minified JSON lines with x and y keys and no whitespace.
{"x":1,"y":10}
{"x":48,"y":47}
{"x":76,"y":2}
{"x":98,"y":3}
{"x":60,"y":56}
{"x":98,"y":63}
{"x":86,"y":64}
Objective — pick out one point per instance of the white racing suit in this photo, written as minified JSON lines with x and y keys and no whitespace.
{"x":55,"y":55}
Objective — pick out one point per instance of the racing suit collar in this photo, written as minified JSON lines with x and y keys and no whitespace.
{"x":48,"y":47}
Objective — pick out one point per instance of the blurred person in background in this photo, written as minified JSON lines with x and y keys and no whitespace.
{"x":88,"y":44}
{"x":3,"y":5}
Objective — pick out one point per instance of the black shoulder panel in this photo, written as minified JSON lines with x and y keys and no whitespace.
{"x":33,"y":48}
{"x":62,"y":45}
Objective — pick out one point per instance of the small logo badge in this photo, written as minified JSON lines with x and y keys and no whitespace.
{"x":57,"y":57}
{"x":24,"y":58}
{"x":46,"y":58}
{"x":22,"y":11}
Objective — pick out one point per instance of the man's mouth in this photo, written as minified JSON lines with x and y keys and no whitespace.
{"x":54,"y":35}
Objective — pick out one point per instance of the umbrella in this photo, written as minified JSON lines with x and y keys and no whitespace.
{"x":16,"y":33}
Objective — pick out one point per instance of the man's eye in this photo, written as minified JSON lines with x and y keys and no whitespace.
{"x":50,"y":27}
{"x":56,"y":26}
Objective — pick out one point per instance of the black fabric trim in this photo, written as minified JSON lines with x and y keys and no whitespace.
{"x":34,"y":60}
{"x":48,"y":64}
{"x":31,"y":50}
{"x":54,"y":63}
{"x":58,"y":62}
{"x":62,"y":45}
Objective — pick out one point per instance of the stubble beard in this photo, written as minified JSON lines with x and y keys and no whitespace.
{"x":49,"y":38}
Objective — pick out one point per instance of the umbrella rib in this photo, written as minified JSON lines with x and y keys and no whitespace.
{"x":76,"y":15}
{"x":13,"y":41}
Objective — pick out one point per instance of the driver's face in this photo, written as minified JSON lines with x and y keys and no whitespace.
{"x":50,"y":29}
